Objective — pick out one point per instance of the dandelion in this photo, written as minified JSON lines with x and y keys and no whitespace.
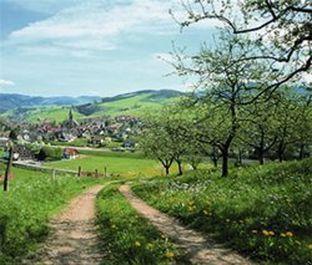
{"x":137,"y":244}
{"x":150,"y":246}
{"x":271,"y":233}
{"x":289,"y":234}
{"x":265,"y":232}
{"x":169,"y":255}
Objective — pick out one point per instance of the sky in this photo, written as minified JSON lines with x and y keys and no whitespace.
{"x":92,"y":47}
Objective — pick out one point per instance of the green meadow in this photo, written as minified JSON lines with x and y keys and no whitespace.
{"x":264,"y":212}
{"x":123,"y":166}
{"x":25,"y":210}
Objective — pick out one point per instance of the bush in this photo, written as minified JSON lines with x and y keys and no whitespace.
{"x":50,"y":154}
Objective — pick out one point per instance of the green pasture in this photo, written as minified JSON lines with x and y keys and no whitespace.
{"x":25,"y":210}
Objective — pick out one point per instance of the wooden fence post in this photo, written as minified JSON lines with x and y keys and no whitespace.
{"x":8,"y":170}
{"x":53,"y":174}
{"x":79,"y":171}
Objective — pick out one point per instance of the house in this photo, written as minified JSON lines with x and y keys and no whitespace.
{"x":70,"y":153}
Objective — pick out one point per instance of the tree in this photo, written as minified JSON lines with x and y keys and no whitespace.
{"x":229,"y":86}
{"x":259,"y":131}
{"x":282,"y":31}
{"x":155,"y":142}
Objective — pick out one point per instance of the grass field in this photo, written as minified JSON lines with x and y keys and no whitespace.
{"x":262,"y":211}
{"x":134,"y":105}
{"x":123,"y":166}
{"x":26,"y":209}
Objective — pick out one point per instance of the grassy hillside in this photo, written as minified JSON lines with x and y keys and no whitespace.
{"x":25,"y":210}
{"x":127,"y":104}
{"x":262,"y":211}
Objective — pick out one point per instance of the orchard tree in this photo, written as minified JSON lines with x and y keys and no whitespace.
{"x":260,"y":131}
{"x":228,"y":86}
{"x":281,"y":30}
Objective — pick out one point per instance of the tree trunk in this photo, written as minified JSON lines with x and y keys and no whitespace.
{"x":167,"y":170}
{"x":261,"y":156}
{"x":225,"y":162}
{"x":180,"y":167}
{"x":301,"y":153}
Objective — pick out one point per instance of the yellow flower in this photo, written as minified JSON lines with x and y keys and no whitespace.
{"x":150,"y":246}
{"x":289,"y":234}
{"x":137,"y":244}
{"x":310,"y":246}
{"x":283,"y":235}
{"x":265,"y":232}
{"x":271,"y":233}
{"x":169,"y":255}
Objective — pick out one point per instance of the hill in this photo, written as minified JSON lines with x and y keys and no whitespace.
{"x":134,"y":103}
{"x":10,"y":101}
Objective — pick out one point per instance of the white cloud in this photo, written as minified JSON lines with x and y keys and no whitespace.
{"x":6,"y":83}
{"x":97,"y":24}
{"x":94,"y":25}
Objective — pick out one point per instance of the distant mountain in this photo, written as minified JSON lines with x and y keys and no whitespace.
{"x":12,"y":101}
{"x":56,"y":109}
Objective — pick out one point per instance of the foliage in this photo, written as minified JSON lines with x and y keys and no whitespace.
{"x":128,"y":238}
{"x":262,"y":211}
{"x":47,"y":153}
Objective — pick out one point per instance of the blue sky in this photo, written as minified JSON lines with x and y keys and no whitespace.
{"x":91,"y":47}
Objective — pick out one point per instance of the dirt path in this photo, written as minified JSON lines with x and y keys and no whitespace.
{"x":74,"y":240}
{"x":199,"y":249}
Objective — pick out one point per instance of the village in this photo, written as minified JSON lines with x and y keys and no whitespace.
{"x":32,"y":141}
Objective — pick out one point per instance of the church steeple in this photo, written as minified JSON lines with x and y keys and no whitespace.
{"x":70,"y":115}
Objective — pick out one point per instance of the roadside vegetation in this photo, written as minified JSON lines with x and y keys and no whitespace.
{"x":26,"y":208}
{"x":261,"y":211}
{"x":128,"y":238}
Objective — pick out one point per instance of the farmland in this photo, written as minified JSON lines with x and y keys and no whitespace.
{"x":117,"y":165}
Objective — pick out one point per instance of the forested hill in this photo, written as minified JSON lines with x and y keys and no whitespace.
{"x":12,"y":101}
{"x":130,"y":103}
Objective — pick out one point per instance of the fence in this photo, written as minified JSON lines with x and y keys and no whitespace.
{"x":58,"y":171}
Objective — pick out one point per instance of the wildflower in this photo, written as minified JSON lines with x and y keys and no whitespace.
{"x":310,"y":246}
{"x":265,"y":232}
{"x":289,"y":234}
{"x":283,"y":235}
{"x":137,"y":244}
{"x":254,"y":231}
{"x":150,"y":246}
{"x":113,"y":226}
{"x":169,"y":255}
{"x":271,"y":233}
